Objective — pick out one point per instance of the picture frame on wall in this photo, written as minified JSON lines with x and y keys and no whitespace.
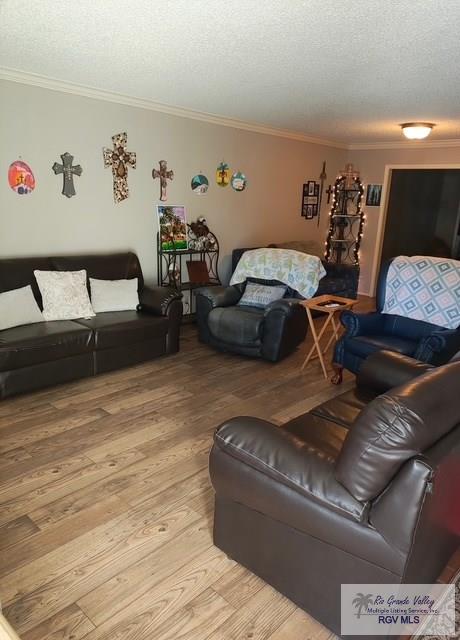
{"x":310,"y":200}
{"x":373,"y":195}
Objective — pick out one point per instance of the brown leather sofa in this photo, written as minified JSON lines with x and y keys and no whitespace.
{"x":360,"y":489}
{"x":37,"y":355}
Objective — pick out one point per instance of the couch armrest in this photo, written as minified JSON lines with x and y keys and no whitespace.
{"x":156,"y":300}
{"x":286,"y":305}
{"x":439,"y":347}
{"x":220,"y":296}
{"x":384,"y":370}
{"x":286,"y":459}
{"x":405,"y":493}
{"x":362,"y":324}
{"x":285,"y":327}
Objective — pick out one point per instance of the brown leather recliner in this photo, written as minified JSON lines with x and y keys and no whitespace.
{"x":361,"y":489}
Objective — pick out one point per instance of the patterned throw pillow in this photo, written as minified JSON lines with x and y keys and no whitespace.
{"x":64,"y":295}
{"x":260,"y":295}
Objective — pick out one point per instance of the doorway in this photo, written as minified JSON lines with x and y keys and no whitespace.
{"x":422,"y":213}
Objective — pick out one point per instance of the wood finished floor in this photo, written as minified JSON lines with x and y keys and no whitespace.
{"x":106,"y":505}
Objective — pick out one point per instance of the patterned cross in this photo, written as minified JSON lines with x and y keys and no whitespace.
{"x":68,"y":170}
{"x":164,"y":175}
{"x":119,"y":159}
{"x":350,"y":175}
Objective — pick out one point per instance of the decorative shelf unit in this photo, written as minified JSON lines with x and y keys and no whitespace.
{"x":172,"y":269}
{"x":346,"y":220}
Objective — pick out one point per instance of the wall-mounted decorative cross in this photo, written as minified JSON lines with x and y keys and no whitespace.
{"x":329,"y":191}
{"x":164,"y":176}
{"x":68,"y":171}
{"x":350,"y":175}
{"x":119,"y":159}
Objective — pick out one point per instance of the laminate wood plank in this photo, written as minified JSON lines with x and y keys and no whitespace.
{"x":52,"y":423}
{"x":68,"y":624}
{"x":16,"y":530}
{"x":90,"y":564}
{"x":135,"y":587}
{"x":238,"y":585}
{"x":81,"y":476}
{"x":301,"y":626}
{"x":258,"y":618}
{"x":136,"y":481}
{"x":156,"y":613}
{"x":43,"y":542}
{"x":94,"y":433}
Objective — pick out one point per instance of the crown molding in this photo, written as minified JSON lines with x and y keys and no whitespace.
{"x":427,"y":144}
{"x":45,"y":82}
{"x":14,"y":75}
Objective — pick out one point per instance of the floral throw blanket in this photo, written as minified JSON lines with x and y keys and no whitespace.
{"x":424,"y":288}
{"x":297,"y":270}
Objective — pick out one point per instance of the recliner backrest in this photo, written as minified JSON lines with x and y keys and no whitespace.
{"x":396,"y":426}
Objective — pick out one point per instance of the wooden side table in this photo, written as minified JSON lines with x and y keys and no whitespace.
{"x":331,"y":306}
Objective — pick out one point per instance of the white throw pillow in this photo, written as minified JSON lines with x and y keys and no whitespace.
{"x":64,"y":295}
{"x":19,"y":307}
{"x":114,"y":295}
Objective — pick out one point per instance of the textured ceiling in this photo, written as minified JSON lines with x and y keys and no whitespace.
{"x":348,"y":71}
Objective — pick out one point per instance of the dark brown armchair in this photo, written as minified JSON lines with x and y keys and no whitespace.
{"x":359,"y":490}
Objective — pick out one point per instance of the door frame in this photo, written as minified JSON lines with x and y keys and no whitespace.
{"x":389,"y":168}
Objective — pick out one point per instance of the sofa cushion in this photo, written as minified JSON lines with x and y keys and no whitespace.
{"x":345,"y":408}
{"x":42,"y":342}
{"x":397,"y":426}
{"x":237,"y":325}
{"x":363,"y":346}
{"x":117,"y":328}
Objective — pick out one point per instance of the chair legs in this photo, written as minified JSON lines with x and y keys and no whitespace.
{"x":338,"y":374}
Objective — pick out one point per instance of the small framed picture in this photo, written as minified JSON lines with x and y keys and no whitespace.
{"x":310,"y":211}
{"x":311,"y":187}
{"x":374,"y":195}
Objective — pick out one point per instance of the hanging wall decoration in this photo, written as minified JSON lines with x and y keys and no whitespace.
{"x":199,"y":184}
{"x":68,"y":170}
{"x":223,"y":174}
{"x":119,"y":159}
{"x":173,"y":227}
{"x":164,"y":176}
{"x":373,"y":195}
{"x":310,"y":200}
{"x":322,"y":179}
{"x":239,"y":181}
{"x":21,"y":178}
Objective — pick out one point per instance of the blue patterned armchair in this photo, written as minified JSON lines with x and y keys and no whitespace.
{"x":366,"y":333}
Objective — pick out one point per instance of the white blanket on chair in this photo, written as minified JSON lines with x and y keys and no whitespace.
{"x":424,"y":288}
{"x":297,"y":270}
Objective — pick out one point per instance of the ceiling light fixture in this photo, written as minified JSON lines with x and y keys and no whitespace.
{"x":417,"y":130}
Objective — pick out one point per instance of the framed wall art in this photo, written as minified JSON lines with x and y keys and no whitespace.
{"x":310,"y":200}
{"x":373,"y":195}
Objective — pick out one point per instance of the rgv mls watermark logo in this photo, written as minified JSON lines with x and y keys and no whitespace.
{"x":389,"y":609}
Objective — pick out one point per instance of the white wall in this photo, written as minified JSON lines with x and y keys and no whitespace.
{"x":38,"y":125}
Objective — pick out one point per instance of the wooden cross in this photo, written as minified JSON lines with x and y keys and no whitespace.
{"x":350,"y":175}
{"x":329,"y":192}
{"x":164,"y":175}
{"x":68,"y":170}
{"x":119,"y":159}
